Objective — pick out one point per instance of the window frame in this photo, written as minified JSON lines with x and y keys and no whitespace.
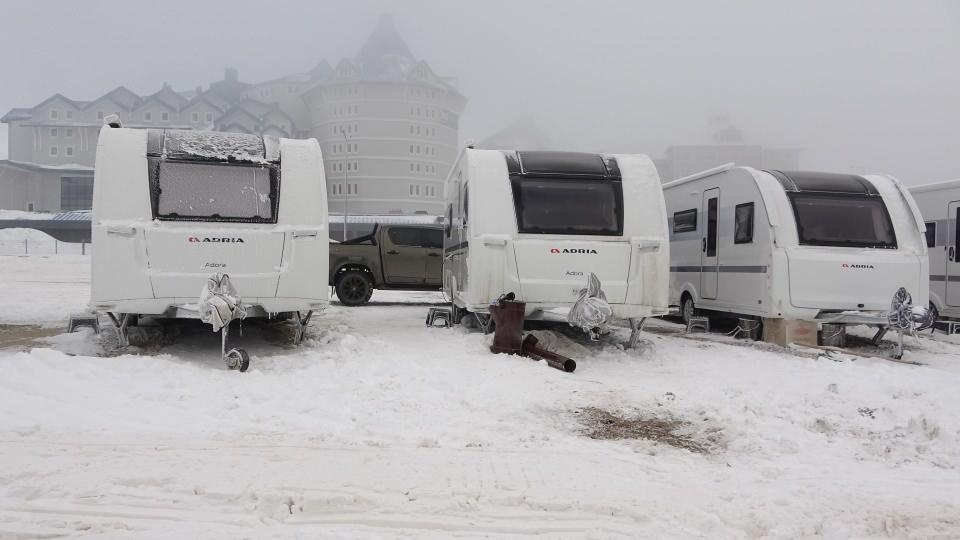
{"x":517,"y":183}
{"x":736,"y":223}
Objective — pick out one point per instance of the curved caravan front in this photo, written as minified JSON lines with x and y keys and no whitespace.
{"x":794,"y":244}
{"x":537,"y":224}
{"x":172,"y":207}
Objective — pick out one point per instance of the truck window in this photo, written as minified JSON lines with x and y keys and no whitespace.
{"x":842,"y":219}
{"x":197,"y":191}
{"x":433,"y":238}
{"x":558,"y":205}
{"x":405,"y":236}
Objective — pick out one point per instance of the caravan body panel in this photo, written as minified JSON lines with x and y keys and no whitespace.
{"x":767,"y":267}
{"x":161,"y":222}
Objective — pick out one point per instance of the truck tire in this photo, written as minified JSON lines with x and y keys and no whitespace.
{"x":354,"y":288}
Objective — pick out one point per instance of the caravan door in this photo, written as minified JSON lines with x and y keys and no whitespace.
{"x":953,"y":255}
{"x":709,"y":259}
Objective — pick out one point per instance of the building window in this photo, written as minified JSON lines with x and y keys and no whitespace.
{"x":69,"y":132}
{"x":209,"y":117}
{"x":147,"y":116}
{"x":685,"y":221}
{"x":76,"y":193}
{"x":69,"y":115}
{"x":931,"y":234}
{"x":54,"y":114}
{"x":100,"y":115}
{"x":54,"y":150}
{"x":743,"y":223}
{"x":69,"y":150}
{"x":291,"y":90}
{"x":54,"y":132}
{"x":195,"y":116}
{"x":165,"y":116}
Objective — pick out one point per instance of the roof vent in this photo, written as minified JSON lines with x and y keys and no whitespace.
{"x":112,"y":120}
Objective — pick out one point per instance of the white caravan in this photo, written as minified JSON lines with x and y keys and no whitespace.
{"x":171,"y":208}
{"x":827,"y":248}
{"x":537,"y":224}
{"x":940,"y":206}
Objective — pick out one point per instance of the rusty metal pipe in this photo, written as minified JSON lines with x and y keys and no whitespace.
{"x":554,"y":360}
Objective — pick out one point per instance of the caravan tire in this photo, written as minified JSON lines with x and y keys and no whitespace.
{"x":934,"y":312}
{"x":687,"y":308}
{"x":354,"y":288}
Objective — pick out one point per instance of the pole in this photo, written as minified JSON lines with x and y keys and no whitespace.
{"x":346,"y":185}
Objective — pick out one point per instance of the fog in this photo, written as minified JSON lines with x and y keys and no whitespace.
{"x":860,"y":86}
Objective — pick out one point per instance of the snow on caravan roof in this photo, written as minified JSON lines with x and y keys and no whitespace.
{"x":213,"y":146}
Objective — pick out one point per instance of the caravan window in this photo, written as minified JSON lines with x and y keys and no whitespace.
{"x":743,"y":223}
{"x":685,"y":221}
{"x":568,"y":206}
{"x":931,"y":233}
{"x":196,"y":191}
{"x":844,"y":220}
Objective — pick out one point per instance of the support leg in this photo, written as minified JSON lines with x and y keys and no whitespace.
{"x":300,"y":330}
{"x":636,"y":325}
{"x":882,"y":331}
{"x":123,"y":338}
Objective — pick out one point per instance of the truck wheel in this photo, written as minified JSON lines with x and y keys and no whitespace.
{"x":354,"y":288}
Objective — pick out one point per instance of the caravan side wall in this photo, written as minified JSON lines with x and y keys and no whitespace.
{"x":940,"y":206}
{"x":150,"y":266}
{"x":736,"y":272}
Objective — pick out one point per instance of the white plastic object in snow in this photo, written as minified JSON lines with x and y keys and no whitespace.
{"x":219,"y":302}
{"x":591,"y":311}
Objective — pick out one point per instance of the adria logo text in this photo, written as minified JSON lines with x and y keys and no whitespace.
{"x":216,"y":239}
{"x":566,"y":250}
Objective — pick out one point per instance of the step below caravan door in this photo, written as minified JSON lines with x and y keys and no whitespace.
{"x":709,"y":256}
{"x":182,"y":258}
{"x":556,"y":271}
{"x":952,"y":276}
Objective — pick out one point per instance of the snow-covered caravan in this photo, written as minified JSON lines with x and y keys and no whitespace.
{"x":537,"y":224}
{"x":794,"y":245}
{"x":940,"y":206}
{"x":171,"y":208}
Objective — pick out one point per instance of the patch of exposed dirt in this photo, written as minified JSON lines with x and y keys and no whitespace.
{"x":601,"y":424}
{"x":23,"y":335}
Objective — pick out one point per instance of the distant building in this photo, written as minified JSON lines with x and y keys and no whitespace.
{"x":684,"y":160}
{"x":385,"y":122}
{"x":728,"y":147}
{"x":524,"y":134}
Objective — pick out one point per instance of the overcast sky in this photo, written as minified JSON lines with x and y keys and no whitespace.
{"x":860,"y":86}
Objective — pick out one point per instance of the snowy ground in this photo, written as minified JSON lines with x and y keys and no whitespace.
{"x":380,"y":427}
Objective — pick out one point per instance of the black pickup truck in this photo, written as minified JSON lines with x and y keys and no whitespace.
{"x":390,"y":257}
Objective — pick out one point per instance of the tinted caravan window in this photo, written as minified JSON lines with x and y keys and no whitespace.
{"x":685,"y":221}
{"x":931,"y":233}
{"x":843,"y":220}
{"x":559,"y":205}
{"x":198,"y":191}
{"x":743,"y":223}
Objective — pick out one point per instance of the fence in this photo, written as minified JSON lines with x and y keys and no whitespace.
{"x":49,"y":246}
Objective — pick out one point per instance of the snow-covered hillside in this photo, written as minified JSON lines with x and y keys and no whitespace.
{"x":380,"y":427}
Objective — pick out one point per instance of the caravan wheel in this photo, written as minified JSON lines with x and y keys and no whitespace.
{"x":687,"y":309}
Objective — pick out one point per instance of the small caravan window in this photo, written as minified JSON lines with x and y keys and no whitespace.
{"x":931,"y":233}
{"x":685,"y":221}
{"x":743,"y":223}
{"x":192,"y":191}
{"x":712,"y":212}
{"x":843,"y":220}
{"x":568,"y":206}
